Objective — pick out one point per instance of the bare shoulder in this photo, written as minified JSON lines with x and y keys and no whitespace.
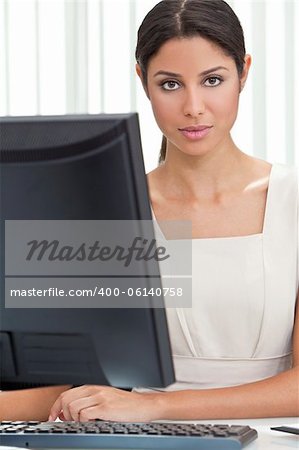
{"x":154,"y":175}
{"x":155,"y":184}
{"x":261,"y":166}
{"x":159,"y":187}
{"x":257,"y":173}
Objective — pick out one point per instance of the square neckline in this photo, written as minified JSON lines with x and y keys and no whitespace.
{"x":222,"y":238}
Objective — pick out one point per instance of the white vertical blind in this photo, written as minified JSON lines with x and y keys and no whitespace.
{"x":116,"y":69}
{"x":94,"y":57}
{"x":259,"y":71}
{"x":4,"y":74}
{"x":275,"y":81}
{"x":51,"y":57}
{"x":295,"y":76}
{"x":241,"y":134}
{"x":291,"y":59}
{"x":77,"y":56}
{"x":21,"y":57}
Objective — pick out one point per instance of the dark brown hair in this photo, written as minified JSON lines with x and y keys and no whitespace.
{"x":211,"y":19}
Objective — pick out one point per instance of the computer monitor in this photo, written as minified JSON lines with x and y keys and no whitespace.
{"x":80,"y":167}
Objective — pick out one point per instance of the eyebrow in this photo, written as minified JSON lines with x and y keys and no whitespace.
{"x":177,"y":75}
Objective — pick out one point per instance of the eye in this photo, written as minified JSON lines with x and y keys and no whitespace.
{"x":170,"y":85}
{"x":213,"y":81}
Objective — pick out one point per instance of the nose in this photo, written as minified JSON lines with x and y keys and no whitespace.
{"x":193,"y":103}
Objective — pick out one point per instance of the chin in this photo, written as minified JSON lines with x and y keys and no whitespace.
{"x":194,"y":150}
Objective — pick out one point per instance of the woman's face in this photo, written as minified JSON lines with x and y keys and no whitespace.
{"x":194,"y":91}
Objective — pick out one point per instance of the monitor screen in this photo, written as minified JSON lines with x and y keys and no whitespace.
{"x":82,"y":168}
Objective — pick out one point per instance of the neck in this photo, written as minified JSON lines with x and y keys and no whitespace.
{"x":206,"y":175}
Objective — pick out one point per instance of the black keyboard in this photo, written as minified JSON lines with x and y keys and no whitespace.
{"x":100,"y":434}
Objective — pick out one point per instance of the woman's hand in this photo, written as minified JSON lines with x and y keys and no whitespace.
{"x":87,"y":403}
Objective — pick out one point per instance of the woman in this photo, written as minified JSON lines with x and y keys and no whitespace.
{"x":236,"y":352}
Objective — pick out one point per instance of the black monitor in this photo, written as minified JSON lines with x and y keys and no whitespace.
{"x":79,"y":167}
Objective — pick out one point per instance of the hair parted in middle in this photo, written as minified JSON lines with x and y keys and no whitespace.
{"x":211,"y":19}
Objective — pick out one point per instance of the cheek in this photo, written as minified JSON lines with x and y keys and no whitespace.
{"x":225,"y":106}
{"x":164,"y":109}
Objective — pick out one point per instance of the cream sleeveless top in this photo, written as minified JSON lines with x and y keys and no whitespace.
{"x":244,"y":290}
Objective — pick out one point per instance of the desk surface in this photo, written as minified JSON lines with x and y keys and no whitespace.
{"x":267,"y":439}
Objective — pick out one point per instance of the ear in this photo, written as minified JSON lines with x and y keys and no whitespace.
{"x":139,"y":73}
{"x":246,"y":67}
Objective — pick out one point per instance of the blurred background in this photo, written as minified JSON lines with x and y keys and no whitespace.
{"x":77,"y":56}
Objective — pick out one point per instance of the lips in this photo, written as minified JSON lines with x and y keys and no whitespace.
{"x":195,"y":128}
{"x":195,"y":132}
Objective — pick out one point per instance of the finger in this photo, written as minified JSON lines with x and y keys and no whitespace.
{"x":91,"y":413}
{"x":66,"y":411}
{"x":61,"y":417}
{"x":61,"y":407}
{"x":61,"y":403}
{"x":77,"y":406}
{"x":55,"y":410}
